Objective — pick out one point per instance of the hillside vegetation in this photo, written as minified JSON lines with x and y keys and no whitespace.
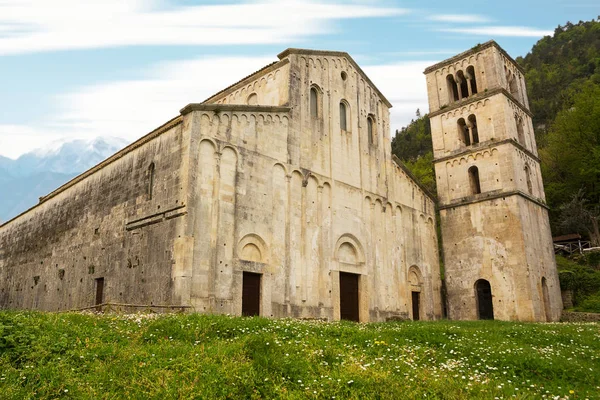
{"x":45,"y":355}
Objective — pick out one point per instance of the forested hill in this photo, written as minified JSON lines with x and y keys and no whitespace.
{"x":559,"y":65}
{"x":563,"y":84}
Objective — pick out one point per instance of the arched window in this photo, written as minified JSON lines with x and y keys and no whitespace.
{"x":528,"y":178}
{"x":520,"y":132}
{"x":343,"y":117}
{"x":463,"y":132}
{"x":511,"y":81}
{"x":150,"y":181}
{"x":314,"y":102}
{"x":472,"y":79}
{"x":370,"y":130}
{"x":473,"y":127}
{"x":452,"y":89}
{"x":474,"y":180}
{"x":464,"y":86}
{"x":514,"y":87}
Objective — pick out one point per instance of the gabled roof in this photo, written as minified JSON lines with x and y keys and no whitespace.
{"x":247,"y":77}
{"x":282,"y":60}
{"x":291,"y":50}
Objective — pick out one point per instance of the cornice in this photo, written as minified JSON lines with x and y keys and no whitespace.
{"x":478,"y":97}
{"x":488,"y":196}
{"x":232,"y":107}
{"x":484,"y":146}
{"x":473,"y":50}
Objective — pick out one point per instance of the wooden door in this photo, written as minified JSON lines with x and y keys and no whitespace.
{"x":99,"y":293}
{"x":415,"y":306}
{"x":250,"y":294}
{"x":349,"y":296}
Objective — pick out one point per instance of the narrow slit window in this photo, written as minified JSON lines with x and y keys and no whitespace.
{"x":343,"y":117}
{"x":474,"y":180}
{"x":370,"y":130}
{"x":150,"y":189}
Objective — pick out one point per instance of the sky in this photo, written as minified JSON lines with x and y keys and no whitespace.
{"x":72,"y":69}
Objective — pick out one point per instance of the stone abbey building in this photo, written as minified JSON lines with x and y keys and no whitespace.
{"x":278,"y":196}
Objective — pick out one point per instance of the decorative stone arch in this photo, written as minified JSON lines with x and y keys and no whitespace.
{"x":253,"y":248}
{"x":227,"y":146}
{"x":208,"y":141}
{"x":282,"y":166}
{"x":348,"y":250}
{"x":252,"y":99}
{"x":415,"y":279}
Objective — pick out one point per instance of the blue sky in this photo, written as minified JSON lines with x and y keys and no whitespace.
{"x":81,"y":69}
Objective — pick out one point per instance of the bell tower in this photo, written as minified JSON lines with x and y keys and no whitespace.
{"x":498,"y":252}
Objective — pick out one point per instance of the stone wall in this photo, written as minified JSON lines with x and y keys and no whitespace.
{"x":272,"y":188}
{"x":102,"y":225}
{"x":571,"y":316}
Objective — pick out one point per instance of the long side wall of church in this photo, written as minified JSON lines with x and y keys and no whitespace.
{"x":109,"y":225}
{"x":251,"y":210}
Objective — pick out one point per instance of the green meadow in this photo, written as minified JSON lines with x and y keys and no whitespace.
{"x":151,"y":356}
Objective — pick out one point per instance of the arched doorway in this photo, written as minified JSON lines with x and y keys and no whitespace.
{"x":416,"y":286}
{"x":350,"y":259}
{"x":483,"y":293}
{"x":546,"y":300}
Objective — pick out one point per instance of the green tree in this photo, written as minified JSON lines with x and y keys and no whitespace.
{"x":571,"y":157}
{"x":413,"y":146}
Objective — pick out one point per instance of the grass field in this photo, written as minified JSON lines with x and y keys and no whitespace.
{"x":45,"y":355}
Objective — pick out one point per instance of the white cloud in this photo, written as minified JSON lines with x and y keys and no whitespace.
{"x":403,"y":84}
{"x":18,"y":139}
{"x":458,"y":18}
{"x":494,"y":31}
{"x":42,"y":25}
{"x":130,"y":109}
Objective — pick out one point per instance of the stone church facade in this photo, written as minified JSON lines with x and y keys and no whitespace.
{"x":278,"y":196}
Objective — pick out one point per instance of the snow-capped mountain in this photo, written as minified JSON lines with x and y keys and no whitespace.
{"x":66,"y":157}
{"x":40,"y":171}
